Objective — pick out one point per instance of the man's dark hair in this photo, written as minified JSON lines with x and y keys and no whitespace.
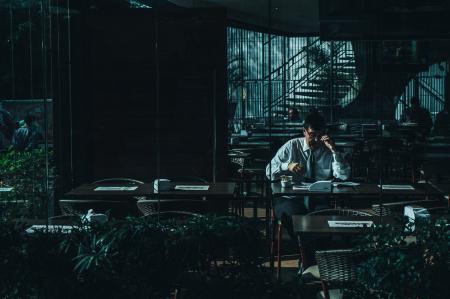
{"x":315,"y":122}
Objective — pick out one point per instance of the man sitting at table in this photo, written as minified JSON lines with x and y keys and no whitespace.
{"x":419,"y":115}
{"x":310,"y":158}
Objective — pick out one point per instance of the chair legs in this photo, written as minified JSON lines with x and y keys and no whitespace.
{"x":276,"y":239}
{"x":326,"y":292}
{"x":279,"y":234}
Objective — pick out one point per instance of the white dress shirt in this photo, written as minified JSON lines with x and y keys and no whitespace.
{"x":326,"y":164}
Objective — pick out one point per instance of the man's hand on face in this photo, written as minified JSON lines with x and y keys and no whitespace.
{"x":295,"y":168}
{"x":328,"y":143}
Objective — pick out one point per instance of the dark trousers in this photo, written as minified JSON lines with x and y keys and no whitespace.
{"x":286,"y":206}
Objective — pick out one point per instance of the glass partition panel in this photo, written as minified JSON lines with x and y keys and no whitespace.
{"x":26,"y":107}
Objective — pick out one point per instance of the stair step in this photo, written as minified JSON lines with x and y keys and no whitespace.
{"x":347,"y":58}
{"x":306,"y":100}
{"x":318,"y":93}
{"x":315,"y":105}
{"x":319,"y":81}
{"x":349,"y":64}
{"x":346,"y":71}
{"x":322,"y":88}
{"x":309,"y":101}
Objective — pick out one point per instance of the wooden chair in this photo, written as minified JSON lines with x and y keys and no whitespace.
{"x":340,"y":212}
{"x":279,"y":231}
{"x":328,"y":212}
{"x":397,"y":207}
{"x":154,"y":206}
{"x":127,"y":181}
{"x":113,"y":208}
{"x":244,"y":177}
{"x":337,"y":269}
{"x":64,"y":219}
{"x":193,"y":179}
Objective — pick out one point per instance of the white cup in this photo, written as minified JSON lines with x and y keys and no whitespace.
{"x":161,"y":185}
{"x":286,"y":181}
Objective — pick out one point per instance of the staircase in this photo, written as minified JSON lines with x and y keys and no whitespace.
{"x":322,"y":75}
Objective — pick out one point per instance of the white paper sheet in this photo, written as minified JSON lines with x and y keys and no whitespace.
{"x":347,"y":184}
{"x":192,"y":187}
{"x":51,"y":228}
{"x":397,"y":187}
{"x":299,"y":187}
{"x":6,"y":189}
{"x":347,"y":223}
{"x":115,"y":188}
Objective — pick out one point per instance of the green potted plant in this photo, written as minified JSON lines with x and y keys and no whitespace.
{"x":398,"y":265}
{"x":26,"y":173}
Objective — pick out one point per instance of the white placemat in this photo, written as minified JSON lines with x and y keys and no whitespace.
{"x":115,"y":188}
{"x":347,"y":223}
{"x":51,"y":228}
{"x":192,"y":187}
{"x":397,"y":187}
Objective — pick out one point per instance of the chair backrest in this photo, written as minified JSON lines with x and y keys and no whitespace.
{"x":118,"y":180}
{"x":114,"y":208}
{"x":439,"y":210}
{"x":64,"y":219}
{"x":153,"y":206}
{"x":397,"y":207}
{"x":340,"y":212}
{"x":178,"y":216}
{"x":433,"y":170}
{"x":193,"y":179}
{"x":337,"y":267}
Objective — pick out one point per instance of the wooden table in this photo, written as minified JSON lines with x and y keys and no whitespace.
{"x":347,"y":144}
{"x":222,"y":189}
{"x":255,"y":144}
{"x":277,"y":135}
{"x":420,"y":190}
{"x":313,"y":226}
{"x":318,"y":224}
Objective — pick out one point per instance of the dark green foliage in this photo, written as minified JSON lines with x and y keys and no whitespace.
{"x":202,"y":257}
{"x":26,"y":172}
{"x":396,"y":267}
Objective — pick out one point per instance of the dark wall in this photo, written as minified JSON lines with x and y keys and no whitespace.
{"x":147,"y":111}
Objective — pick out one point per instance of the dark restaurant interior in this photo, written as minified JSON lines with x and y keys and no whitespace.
{"x":224,"y":149}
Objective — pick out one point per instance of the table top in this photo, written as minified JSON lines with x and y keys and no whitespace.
{"x":363,"y":189}
{"x":318,"y":224}
{"x":250,"y":149}
{"x":347,"y":143}
{"x":232,"y":154}
{"x":434,"y":156}
{"x":215,"y":189}
{"x":259,"y":143}
{"x":273,"y":134}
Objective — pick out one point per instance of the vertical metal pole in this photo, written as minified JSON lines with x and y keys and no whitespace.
{"x":331,"y":80}
{"x":270,"y":198}
{"x":157,"y":89}
{"x":214,"y":98}
{"x":11,"y":40}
